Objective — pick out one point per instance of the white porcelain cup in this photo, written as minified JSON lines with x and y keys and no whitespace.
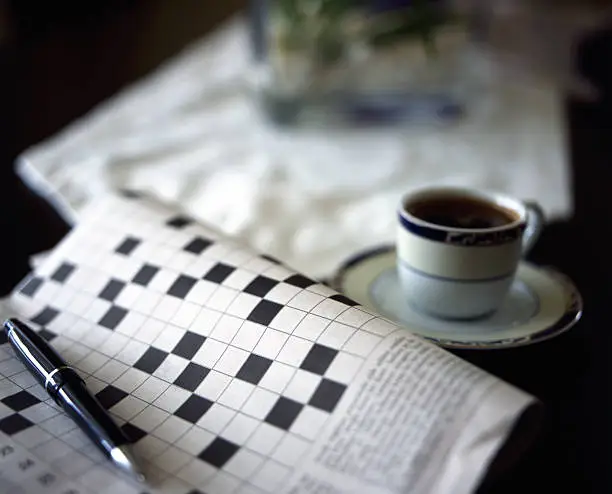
{"x":462,"y":273}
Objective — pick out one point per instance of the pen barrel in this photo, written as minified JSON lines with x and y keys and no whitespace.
{"x":68,"y":390}
{"x":36,"y":354}
{"x":91,"y":417}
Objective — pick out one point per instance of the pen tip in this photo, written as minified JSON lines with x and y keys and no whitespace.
{"x":123,"y":458}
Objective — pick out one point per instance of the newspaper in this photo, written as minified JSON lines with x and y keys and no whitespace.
{"x":232,"y":373}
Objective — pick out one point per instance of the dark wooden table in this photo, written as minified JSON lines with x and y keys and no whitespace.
{"x":59,"y":59}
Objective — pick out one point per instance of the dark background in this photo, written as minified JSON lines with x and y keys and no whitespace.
{"x":59,"y":59}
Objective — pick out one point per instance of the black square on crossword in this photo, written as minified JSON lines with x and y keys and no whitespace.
{"x":318,"y":359}
{"x":127,"y":246}
{"x":327,"y":395}
{"x":189,"y":345}
{"x":193,"y":409}
{"x":254,"y":368}
{"x":133,"y":432}
{"x":112,"y":289}
{"x":192,"y":376}
{"x":219,"y":272}
{"x":219,"y":452}
{"x":197,"y":245}
{"x":179,"y":221}
{"x":145,"y":275}
{"x":150,"y":360}
{"x":181,"y":286}
{"x":264,"y":312}
{"x":283,"y":413}
{"x":110,"y":396}
{"x":20,"y":401}
{"x":45,"y":316}
{"x":32,"y":286}
{"x":47,"y":335}
{"x":260,"y":286}
{"x":343,"y":299}
{"x":62,"y":273}
{"x":113,"y":317}
{"x":299,"y":281}
{"x":14,"y":423}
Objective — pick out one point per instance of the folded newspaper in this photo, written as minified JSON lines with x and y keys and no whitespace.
{"x":232,"y":373}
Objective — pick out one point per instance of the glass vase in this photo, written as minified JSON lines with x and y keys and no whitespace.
{"x":363,"y":61}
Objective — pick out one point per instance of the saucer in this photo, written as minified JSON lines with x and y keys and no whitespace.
{"x":540,"y":305}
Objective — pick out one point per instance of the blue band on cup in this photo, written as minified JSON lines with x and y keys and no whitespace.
{"x":463,"y":238}
{"x":452,"y":279}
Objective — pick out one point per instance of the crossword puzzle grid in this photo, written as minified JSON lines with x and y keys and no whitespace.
{"x":222,"y":365}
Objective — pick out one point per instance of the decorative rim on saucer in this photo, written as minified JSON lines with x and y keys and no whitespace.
{"x":567,"y":319}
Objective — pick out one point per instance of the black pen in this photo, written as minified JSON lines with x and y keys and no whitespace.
{"x":68,"y":390}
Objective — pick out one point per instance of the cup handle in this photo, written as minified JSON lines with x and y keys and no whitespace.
{"x":535,"y":223}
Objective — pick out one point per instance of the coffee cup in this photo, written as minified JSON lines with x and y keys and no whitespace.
{"x":458,"y":249}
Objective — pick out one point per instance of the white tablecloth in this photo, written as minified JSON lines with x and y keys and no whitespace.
{"x":188,"y":133}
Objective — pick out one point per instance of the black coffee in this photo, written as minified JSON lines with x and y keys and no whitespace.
{"x":461,"y":212}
